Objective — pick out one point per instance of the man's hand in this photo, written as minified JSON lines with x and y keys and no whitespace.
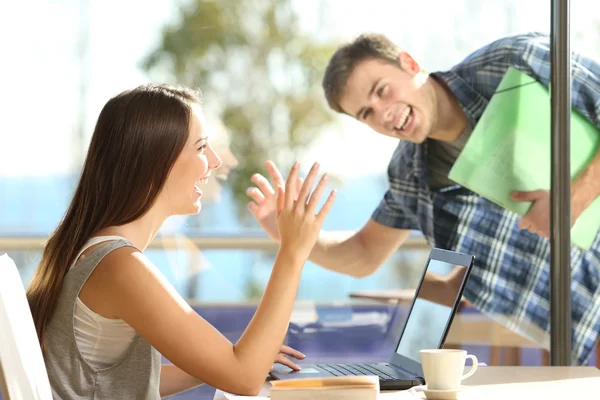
{"x":264,"y":206}
{"x":537,"y":219}
{"x":283,"y":360}
{"x":442,"y":289}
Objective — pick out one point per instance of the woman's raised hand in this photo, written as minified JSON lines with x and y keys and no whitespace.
{"x":298,"y":221}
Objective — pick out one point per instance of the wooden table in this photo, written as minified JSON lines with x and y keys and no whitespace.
{"x":530,"y":383}
{"x":515,"y":383}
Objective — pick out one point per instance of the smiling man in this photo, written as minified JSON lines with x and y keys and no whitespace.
{"x":433,"y":115}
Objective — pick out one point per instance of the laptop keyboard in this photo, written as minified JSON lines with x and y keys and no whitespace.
{"x":358,"y":370}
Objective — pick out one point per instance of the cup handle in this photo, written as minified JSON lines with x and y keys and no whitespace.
{"x":473,"y":367}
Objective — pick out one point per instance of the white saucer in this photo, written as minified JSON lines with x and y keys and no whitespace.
{"x":441,"y":394}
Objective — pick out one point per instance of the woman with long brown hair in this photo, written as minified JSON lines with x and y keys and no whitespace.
{"x":102,"y":310}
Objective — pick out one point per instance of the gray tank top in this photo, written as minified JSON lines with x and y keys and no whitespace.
{"x":135,"y":376}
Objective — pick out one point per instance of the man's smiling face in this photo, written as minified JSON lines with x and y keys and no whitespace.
{"x":392,"y":99}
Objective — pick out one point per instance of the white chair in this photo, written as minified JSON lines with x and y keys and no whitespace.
{"x":23,"y":374}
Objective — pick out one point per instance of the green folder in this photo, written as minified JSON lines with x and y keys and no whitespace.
{"x":510,"y":149}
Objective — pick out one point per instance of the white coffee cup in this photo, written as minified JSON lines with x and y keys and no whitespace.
{"x":443,"y":368}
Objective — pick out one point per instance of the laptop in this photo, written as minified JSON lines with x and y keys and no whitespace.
{"x":426,"y":327}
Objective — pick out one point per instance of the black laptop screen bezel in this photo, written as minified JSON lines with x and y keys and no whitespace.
{"x":445,"y":256}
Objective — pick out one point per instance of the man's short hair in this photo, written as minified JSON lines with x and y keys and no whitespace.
{"x":368,"y":46}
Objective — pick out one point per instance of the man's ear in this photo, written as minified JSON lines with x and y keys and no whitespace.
{"x":408,"y":63}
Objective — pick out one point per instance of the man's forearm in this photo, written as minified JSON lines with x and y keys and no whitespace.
{"x":586,"y":187}
{"x":342,"y":252}
{"x":358,"y":254}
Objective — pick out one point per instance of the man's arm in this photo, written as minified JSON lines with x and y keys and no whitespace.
{"x":361,"y":253}
{"x":585,"y":187}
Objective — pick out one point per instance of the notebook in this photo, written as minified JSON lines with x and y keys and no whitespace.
{"x":510,"y":149}
{"x":346,"y":387}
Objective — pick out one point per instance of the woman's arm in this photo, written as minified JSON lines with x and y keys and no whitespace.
{"x":173,"y":380}
{"x":137,"y":293}
{"x":142,"y":297}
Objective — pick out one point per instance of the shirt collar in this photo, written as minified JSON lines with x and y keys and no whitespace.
{"x":472,"y":103}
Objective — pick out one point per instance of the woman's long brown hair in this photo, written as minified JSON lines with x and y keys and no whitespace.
{"x":138,"y":137}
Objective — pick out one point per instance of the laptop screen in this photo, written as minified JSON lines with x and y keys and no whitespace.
{"x":431,"y":311}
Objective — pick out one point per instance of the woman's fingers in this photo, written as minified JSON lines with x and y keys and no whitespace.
{"x":326,"y":207}
{"x":316,"y":195}
{"x":280,"y":199}
{"x":307,"y":186}
{"x":289,"y":183}
{"x":283,"y":360}
{"x":291,"y":352}
{"x":298,"y":186}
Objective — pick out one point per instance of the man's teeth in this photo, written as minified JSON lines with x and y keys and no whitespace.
{"x":403,"y":118}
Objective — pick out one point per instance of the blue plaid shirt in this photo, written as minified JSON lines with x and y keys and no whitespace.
{"x":510,"y":280}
